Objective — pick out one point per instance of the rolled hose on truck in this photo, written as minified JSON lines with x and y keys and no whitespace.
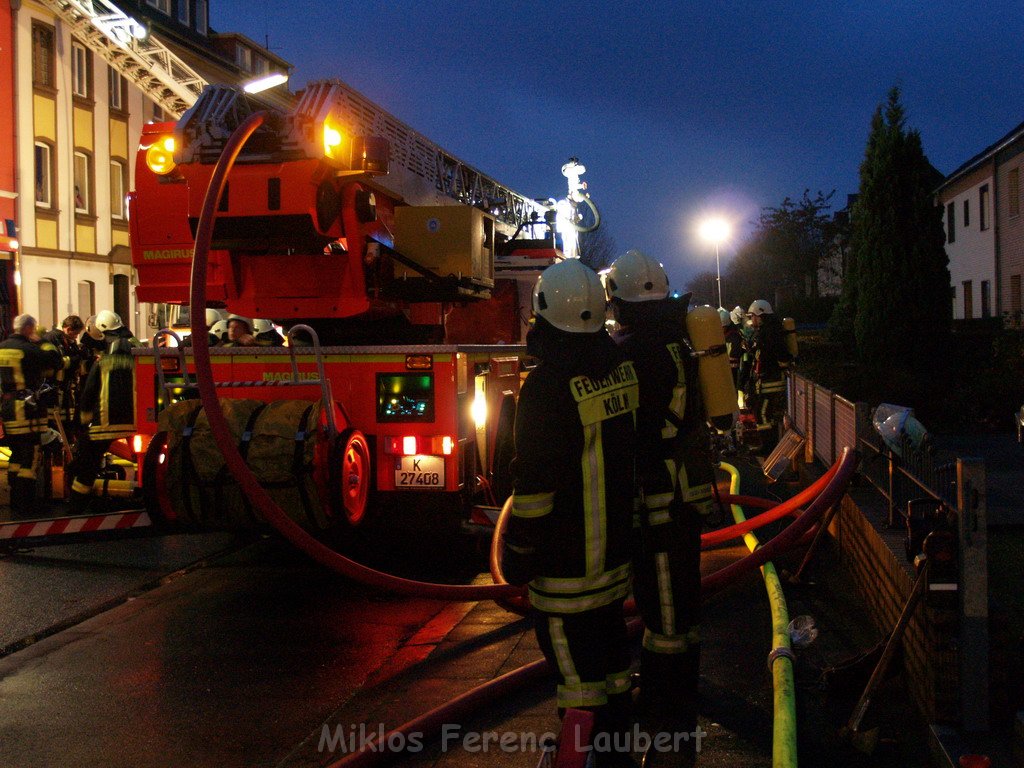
{"x":294,"y":533}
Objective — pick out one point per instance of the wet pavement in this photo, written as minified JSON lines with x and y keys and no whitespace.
{"x":244,"y":660}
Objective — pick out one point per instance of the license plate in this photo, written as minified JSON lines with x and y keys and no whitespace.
{"x":419,"y":472}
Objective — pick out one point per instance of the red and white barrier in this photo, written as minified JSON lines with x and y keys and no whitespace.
{"x":115,"y":521}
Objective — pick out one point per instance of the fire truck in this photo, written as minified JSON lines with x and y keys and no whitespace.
{"x":401,"y":273}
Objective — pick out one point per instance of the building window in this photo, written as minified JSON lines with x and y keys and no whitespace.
{"x":118,"y":185}
{"x":967,"y":213}
{"x":201,"y":16}
{"x":80,"y":70}
{"x":44,"y":175}
{"x":950,"y":224}
{"x":83,"y":183}
{"x":42,"y":55}
{"x":158,"y":113}
{"x":986,"y":299}
{"x":86,"y":298}
{"x":259,"y":64}
{"x":164,"y":6}
{"x":115,"y":89}
{"x":1013,"y":191}
{"x":121,"y":295}
{"x":47,"y":303}
{"x":983,"y":208}
{"x":243,"y":58}
{"x":968,"y":300}
{"x":183,"y":12}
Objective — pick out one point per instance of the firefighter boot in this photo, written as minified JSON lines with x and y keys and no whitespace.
{"x":668,"y":706}
{"x":613,"y":737}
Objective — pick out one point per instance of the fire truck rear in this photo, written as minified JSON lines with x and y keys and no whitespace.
{"x":408,"y":270}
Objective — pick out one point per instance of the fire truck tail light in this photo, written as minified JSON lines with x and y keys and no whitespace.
{"x":137,"y":444}
{"x":160,"y":156}
{"x":413,"y":445}
{"x":169,"y":364}
{"x":332,"y":140}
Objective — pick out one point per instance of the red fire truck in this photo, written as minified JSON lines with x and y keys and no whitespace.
{"x":408,"y":270}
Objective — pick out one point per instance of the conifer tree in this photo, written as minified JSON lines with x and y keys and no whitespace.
{"x":897,"y":286}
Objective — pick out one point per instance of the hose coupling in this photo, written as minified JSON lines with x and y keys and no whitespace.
{"x":780,"y":653}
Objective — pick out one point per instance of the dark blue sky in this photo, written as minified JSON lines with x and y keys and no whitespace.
{"x":676,"y":108}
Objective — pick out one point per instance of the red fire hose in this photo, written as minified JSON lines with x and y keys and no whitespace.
{"x":294,"y":533}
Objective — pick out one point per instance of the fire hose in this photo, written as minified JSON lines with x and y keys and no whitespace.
{"x":780,"y":660}
{"x":830,"y":492}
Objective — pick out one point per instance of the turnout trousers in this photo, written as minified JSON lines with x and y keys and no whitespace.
{"x":666,"y":584}
{"x":590,"y":655}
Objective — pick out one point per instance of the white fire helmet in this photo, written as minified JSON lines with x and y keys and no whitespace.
{"x":107,"y":321}
{"x":635,"y":276}
{"x":569,"y":295}
{"x":761,"y":307}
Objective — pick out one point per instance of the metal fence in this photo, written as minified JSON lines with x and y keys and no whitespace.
{"x":829,"y":422}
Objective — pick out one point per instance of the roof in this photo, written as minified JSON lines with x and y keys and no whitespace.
{"x":982,"y":157}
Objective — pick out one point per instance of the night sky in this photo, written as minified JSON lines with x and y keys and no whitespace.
{"x":677,"y":109}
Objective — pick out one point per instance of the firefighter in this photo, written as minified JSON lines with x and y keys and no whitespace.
{"x":24,"y":366}
{"x":675,"y":477}
{"x":65,"y":341}
{"x":733,"y":343}
{"x":109,"y":323}
{"x":266,"y":334}
{"x":568,"y":536}
{"x":212,"y":319}
{"x":107,"y":413}
{"x":240,"y":332}
{"x":767,"y":386}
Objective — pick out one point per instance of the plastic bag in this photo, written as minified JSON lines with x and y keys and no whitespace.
{"x":802,"y":631}
{"x":896,"y":424}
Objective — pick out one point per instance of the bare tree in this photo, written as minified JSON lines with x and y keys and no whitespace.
{"x":597,"y":249}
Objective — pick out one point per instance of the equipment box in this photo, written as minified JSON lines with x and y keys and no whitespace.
{"x":449,"y":240}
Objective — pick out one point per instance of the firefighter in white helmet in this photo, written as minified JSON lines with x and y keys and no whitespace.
{"x":106,"y":413}
{"x":266,"y":334}
{"x":675,"y":478}
{"x":240,"y":332}
{"x":568,"y":535}
{"x":109,"y":323}
{"x":211,"y":318}
{"x":766,"y":390}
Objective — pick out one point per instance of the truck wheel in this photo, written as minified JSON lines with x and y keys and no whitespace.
{"x":154,"y":482}
{"x":354,"y":476}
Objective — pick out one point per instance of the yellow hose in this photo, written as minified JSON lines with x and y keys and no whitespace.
{"x":781,"y":662}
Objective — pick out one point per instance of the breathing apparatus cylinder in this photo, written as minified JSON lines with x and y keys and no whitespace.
{"x":789,"y":325}
{"x":716,"y":385}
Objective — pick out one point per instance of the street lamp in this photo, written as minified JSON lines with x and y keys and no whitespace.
{"x":716,"y":231}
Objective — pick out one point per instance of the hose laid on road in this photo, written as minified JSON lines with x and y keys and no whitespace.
{"x":784,"y":754}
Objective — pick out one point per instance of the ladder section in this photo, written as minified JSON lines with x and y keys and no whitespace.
{"x":123,"y":42}
{"x":422,"y":173}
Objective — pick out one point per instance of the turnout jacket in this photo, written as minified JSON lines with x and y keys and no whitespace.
{"x":24,"y":365}
{"x":107,"y":403}
{"x":573,"y":474}
{"x":770,"y":355}
{"x":672,"y":438}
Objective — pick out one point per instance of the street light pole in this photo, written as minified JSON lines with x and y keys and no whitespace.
{"x":716,"y":231}
{"x":718,"y":269}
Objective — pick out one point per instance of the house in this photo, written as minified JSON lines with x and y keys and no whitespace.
{"x":79,"y":103}
{"x":984,"y":231}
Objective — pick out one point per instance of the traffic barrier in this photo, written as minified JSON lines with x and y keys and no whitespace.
{"x":32,"y":529}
